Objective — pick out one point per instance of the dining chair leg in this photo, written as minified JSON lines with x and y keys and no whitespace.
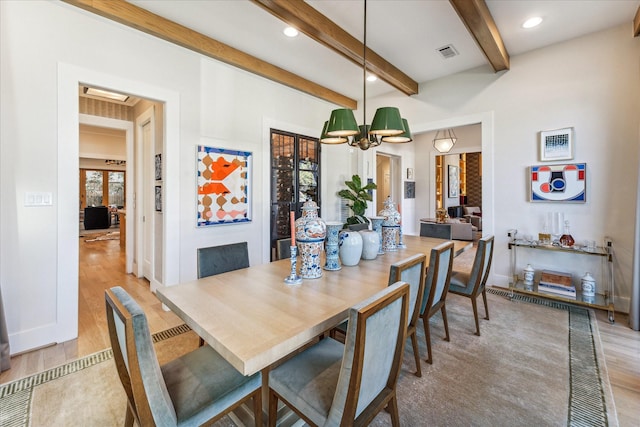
{"x":475,"y":315}
{"x":416,"y":354}
{"x":273,"y":409}
{"x":257,"y":408}
{"x":486,"y":307}
{"x":128,"y":418}
{"x":427,"y":337}
{"x":446,"y":324}
{"x":393,"y":411}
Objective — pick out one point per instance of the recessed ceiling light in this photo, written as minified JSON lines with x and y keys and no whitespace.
{"x":290,"y":32}
{"x":372,"y":78}
{"x":532,"y":22}
{"x":106,"y":94}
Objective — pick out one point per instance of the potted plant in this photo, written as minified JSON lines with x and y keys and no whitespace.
{"x":359,"y":196}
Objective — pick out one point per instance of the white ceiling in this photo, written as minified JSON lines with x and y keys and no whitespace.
{"x":404,"y":32}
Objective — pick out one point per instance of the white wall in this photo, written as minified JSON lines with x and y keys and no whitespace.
{"x":216,"y":104}
{"x":590,"y":83}
{"x":596,"y":90}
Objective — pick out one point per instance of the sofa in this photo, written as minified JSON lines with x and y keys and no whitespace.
{"x":452,"y":230}
{"x":474,"y":215}
{"x":96,"y":217}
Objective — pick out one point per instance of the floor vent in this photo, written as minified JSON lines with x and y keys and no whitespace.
{"x":447,"y":51}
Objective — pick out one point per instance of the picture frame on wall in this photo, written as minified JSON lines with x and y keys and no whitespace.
{"x":158,"y":167}
{"x":410,"y":174}
{"x":454,"y":183}
{"x":556,"y":145}
{"x":158,"y":200}
{"x":558,"y":183}
{"x":409,"y":189}
{"x":224,"y":189}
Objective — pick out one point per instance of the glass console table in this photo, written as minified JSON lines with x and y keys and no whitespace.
{"x":604,"y":297}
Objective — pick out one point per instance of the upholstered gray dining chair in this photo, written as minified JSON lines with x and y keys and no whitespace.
{"x":412,"y":271}
{"x":220,"y":259}
{"x":471,"y":284}
{"x":331,"y":384}
{"x":196,"y":388}
{"x":435,"y":290}
{"x":283,"y":248}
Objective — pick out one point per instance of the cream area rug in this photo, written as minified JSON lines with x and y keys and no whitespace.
{"x":114,"y":235}
{"x":536,"y":363}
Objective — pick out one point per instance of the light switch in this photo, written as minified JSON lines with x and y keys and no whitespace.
{"x":34,"y":198}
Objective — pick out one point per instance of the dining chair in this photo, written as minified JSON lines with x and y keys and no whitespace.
{"x":196,"y":388}
{"x":331,"y":383}
{"x":358,"y":227}
{"x":471,"y":284}
{"x":412,"y":271}
{"x":283,"y":248}
{"x":435,"y":290}
{"x":220,"y":259}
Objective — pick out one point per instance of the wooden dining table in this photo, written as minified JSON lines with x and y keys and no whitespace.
{"x":253,"y":318}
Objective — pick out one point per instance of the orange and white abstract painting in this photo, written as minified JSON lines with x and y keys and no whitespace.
{"x":224,"y":186}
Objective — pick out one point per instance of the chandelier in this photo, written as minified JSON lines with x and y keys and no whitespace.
{"x":387,"y":124}
{"x":444,"y":143}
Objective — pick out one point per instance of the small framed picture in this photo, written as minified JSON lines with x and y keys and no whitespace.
{"x":409,"y":173}
{"x":158,"y":167}
{"x":409,"y":190}
{"x":556,"y":145}
{"x":158,"y":198}
{"x":454,"y":184}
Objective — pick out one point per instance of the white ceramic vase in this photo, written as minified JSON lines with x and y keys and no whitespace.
{"x":350,"y":247}
{"x":588,"y":285}
{"x":370,"y":244}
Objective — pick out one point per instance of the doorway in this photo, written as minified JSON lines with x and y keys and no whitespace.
{"x":388,"y":179}
{"x":136,"y":159}
{"x":69,"y":77}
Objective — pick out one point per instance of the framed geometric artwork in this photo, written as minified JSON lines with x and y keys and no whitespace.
{"x":454,"y":185}
{"x":556,"y":145}
{"x":558,"y":183}
{"x":223,"y":186}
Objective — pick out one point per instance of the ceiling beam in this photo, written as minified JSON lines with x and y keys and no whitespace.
{"x":309,"y":21}
{"x":636,"y":23}
{"x":476,"y":17}
{"x":150,"y":23}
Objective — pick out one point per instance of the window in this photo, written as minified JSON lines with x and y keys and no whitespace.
{"x":101,"y":188}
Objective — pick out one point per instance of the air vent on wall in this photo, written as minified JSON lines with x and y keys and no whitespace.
{"x":447,"y":51}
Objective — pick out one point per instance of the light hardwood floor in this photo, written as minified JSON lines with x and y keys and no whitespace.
{"x":102,"y":265}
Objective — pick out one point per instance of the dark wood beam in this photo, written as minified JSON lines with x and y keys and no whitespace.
{"x":636,"y":23}
{"x":150,"y":23}
{"x":478,"y":20}
{"x":308,"y":20}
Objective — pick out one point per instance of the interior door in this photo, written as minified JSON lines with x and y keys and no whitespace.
{"x":149,"y":199}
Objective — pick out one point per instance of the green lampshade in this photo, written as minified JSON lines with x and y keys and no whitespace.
{"x":387,"y":122}
{"x":326,"y":139}
{"x":342,"y":123}
{"x":403,"y":137}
